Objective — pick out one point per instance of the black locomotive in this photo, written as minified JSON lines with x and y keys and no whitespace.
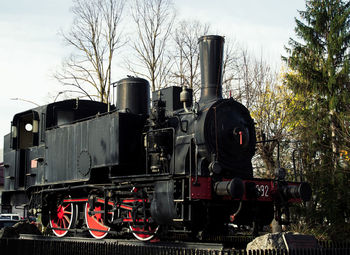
{"x":177,"y":167}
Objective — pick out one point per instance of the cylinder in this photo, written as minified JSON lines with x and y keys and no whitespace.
{"x":133,"y":96}
{"x":211,"y":51}
{"x":302,"y":191}
{"x":233,"y":188}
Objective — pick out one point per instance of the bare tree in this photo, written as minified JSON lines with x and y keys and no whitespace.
{"x":230,"y":72}
{"x":251,"y":75}
{"x":95,"y":37}
{"x":154,"y":21}
{"x":186,"y":69}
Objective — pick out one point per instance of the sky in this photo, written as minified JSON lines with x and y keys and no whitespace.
{"x":31,"y":48}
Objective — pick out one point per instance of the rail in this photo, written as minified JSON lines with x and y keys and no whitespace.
{"x":84,"y":246}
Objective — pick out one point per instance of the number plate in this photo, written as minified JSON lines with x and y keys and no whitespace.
{"x":264,"y":188}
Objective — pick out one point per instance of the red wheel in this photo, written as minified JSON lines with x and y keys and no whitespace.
{"x":142,"y":230}
{"x":140,"y":227}
{"x":63,"y":219}
{"x":95,"y":222}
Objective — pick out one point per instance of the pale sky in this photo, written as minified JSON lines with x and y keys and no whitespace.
{"x":31,"y":49}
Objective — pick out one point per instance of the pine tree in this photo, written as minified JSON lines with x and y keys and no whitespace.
{"x":319,"y":77}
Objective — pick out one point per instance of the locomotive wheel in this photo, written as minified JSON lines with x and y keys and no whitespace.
{"x":140,"y":227}
{"x":143,"y":230}
{"x":95,"y":222}
{"x":64,"y":218}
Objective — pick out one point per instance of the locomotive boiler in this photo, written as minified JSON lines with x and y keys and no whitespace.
{"x":176,"y":167}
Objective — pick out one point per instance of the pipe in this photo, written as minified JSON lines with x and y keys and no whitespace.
{"x":211,"y":51}
{"x":185,"y":107}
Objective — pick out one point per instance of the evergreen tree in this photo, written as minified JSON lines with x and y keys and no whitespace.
{"x":319,"y":78}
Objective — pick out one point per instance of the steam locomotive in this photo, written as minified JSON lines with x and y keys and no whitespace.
{"x":175,"y":167}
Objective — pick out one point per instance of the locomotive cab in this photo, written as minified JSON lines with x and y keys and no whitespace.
{"x":25,"y":130}
{"x":25,"y":147}
{"x":24,"y":136}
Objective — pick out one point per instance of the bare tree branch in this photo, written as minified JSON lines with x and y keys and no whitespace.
{"x":186,"y":68}
{"x":154,"y":21}
{"x":94,"y":37}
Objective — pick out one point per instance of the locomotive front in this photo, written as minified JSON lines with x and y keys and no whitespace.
{"x":224,"y":130}
{"x":214,"y":144}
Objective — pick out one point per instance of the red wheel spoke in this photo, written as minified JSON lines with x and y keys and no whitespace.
{"x":64,"y":208}
{"x":64,"y":224}
{"x":66,"y":219}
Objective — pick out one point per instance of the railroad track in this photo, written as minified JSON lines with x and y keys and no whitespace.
{"x":43,"y":245}
{"x":172,"y":241}
{"x":33,"y":244}
{"x":132,"y":242}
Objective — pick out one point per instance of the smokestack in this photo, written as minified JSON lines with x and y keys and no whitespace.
{"x":211,"y":50}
